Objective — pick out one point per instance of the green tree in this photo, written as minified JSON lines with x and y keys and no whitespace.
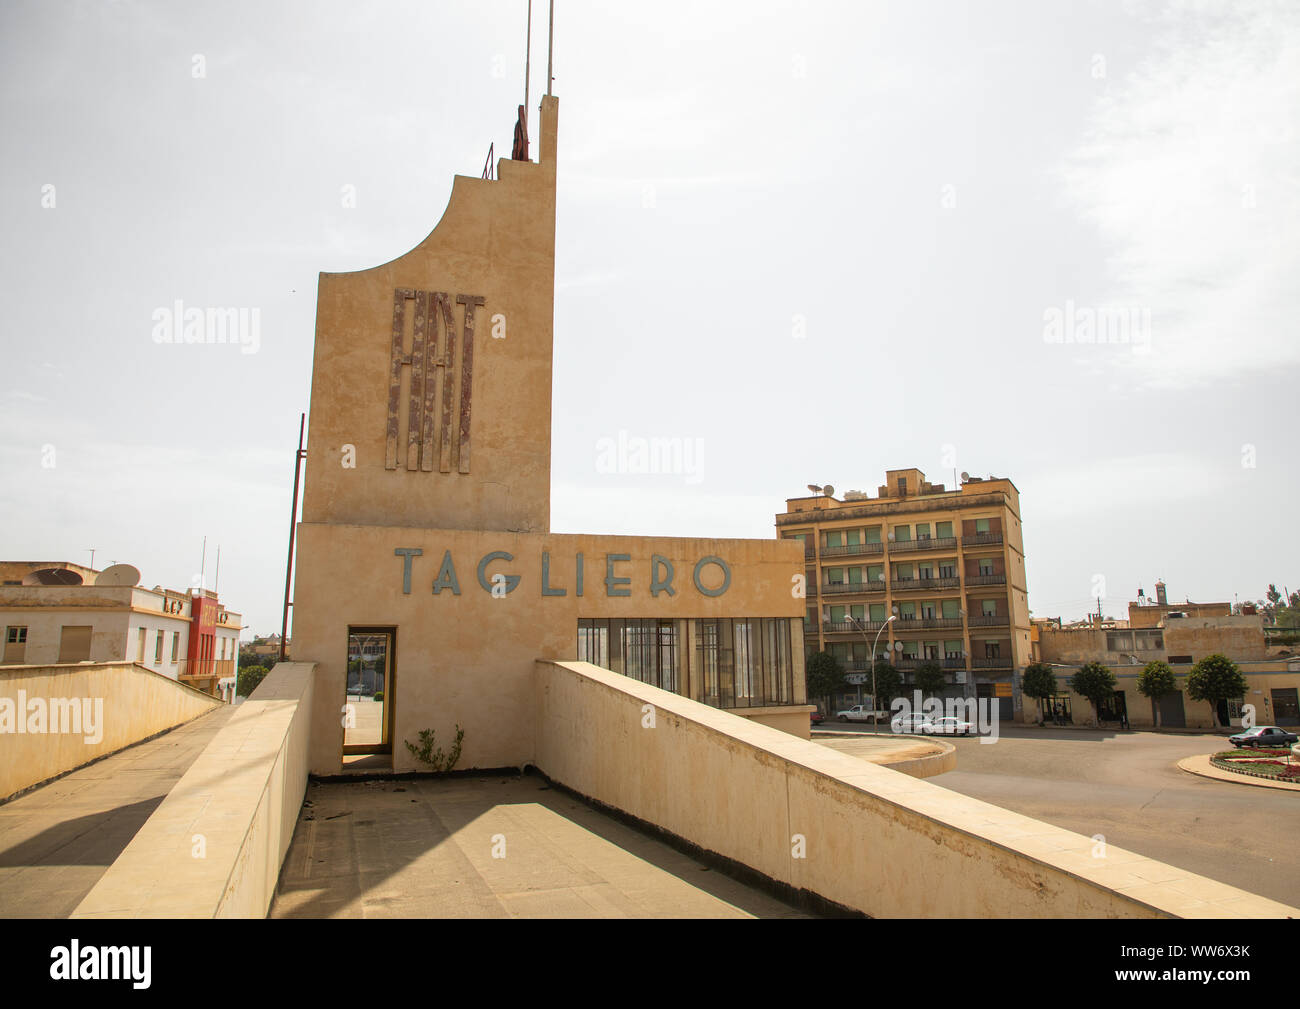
{"x":1095,"y":682}
{"x":1038,"y":682}
{"x":248,"y":679}
{"x":930,"y":679}
{"x":823,"y":675}
{"x":888,"y":681}
{"x":1215,"y":678}
{"x":1155,"y":681}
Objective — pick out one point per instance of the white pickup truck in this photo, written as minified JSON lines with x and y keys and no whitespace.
{"x":862,"y":713}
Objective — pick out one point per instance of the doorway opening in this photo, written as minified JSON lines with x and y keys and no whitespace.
{"x":369,"y":691}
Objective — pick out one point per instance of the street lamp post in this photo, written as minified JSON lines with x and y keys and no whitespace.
{"x":875,"y":699}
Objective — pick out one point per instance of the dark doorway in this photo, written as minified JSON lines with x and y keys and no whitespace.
{"x":1286,"y":706}
{"x":368,"y":711}
{"x":1172,"y":713}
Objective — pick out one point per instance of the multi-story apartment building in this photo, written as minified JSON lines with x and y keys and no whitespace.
{"x":949,"y":565}
{"x":56,"y":612}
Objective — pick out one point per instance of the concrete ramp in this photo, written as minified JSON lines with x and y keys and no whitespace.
{"x":54,"y":719}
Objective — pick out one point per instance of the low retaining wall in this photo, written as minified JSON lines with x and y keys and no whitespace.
{"x":214,"y":847}
{"x":81,"y":712}
{"x":833,"y":825}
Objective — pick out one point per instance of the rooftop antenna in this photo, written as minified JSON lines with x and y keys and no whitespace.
{"x":216,"y":579}
{"x":203,"y":564}
{"x":520,"y":149}
{"x":550,"y":40}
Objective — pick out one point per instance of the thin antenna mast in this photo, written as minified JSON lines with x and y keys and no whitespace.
{"x":528,"y":53}
{"x":216,"y":579}
{"x":550,"y":42}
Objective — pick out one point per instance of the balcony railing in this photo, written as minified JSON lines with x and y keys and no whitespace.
{"x":984,"y":662}
{"x":853,"y":550}
{"x":953,"y":663}
{"x":986,"y":579}
{"x":926,"y":623}
{"x":989,"y":620}
{"x":845,"y":588}
{"x":924,"y":543}
{"x":201,"y":669}
{"x":849,"y":626}
{"x":907,"y":584}
{"x":981,"y":540}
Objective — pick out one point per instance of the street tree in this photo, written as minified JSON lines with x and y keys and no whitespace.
{"x":1215,"y":679}
{"x":1038,"y":682}
{"x":1095,"y":682}
{"x":1156,"y":681}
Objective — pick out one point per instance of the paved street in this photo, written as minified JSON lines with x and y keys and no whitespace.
{"x":1126,"y":787}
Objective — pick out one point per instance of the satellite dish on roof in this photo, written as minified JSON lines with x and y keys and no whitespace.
{"x":964,"y":476}
{"x":828,"y":490}
{"x":119,"y":574}
{"x":52,"y":576}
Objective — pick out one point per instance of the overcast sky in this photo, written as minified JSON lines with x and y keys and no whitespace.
{"x":812,"y":241}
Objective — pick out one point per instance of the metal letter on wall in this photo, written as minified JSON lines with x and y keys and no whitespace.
{"x":433,"y":346}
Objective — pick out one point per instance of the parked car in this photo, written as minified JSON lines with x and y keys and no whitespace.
{"x":816,"y":716}
{"x":861,"y":713}
{"x":1264,"y":735}
{"x":910,"y":723}
{"x":947,"y":726}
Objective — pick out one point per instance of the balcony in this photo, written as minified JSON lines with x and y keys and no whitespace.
{"x":982,"y":540}
{"x":907,"y":584}
{"x":202,"y":669}
{"x":852,"y":627}
{"x":849,"y":588}
{"x":925,"y":543}
{"x":989,"y":620}
{"x":927,"y":623}
{"x":953,"y":663}
{"x":972,"y":580}
{"x":853,"y":550}
{"x":996,"y":662}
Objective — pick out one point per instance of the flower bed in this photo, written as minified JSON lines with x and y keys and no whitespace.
{"x":1258,"y":764}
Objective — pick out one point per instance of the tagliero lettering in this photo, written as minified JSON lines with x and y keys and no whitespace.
{"x":614,"y":573}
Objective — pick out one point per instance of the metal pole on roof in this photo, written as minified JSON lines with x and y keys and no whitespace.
{"x":293,"y":526}
{"x":550,"y":42}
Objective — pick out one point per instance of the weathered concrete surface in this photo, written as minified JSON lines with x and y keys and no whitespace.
{"x":417,"y":849}
{"x":127,"y":703}
{"x":214,"y":847}
{"x":825,"y":822}
{"x":57,"y":840}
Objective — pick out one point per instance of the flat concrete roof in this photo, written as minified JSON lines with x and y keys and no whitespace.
{"x":490,"y":847}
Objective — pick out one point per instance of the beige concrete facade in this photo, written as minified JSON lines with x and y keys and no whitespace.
{"x":950,"y":564}
{"x":55,"y":718}
{"x":427,"y":503}
{"x":214,"y":847}
{"x":866,"y":837}
{"x":48,"y":623}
